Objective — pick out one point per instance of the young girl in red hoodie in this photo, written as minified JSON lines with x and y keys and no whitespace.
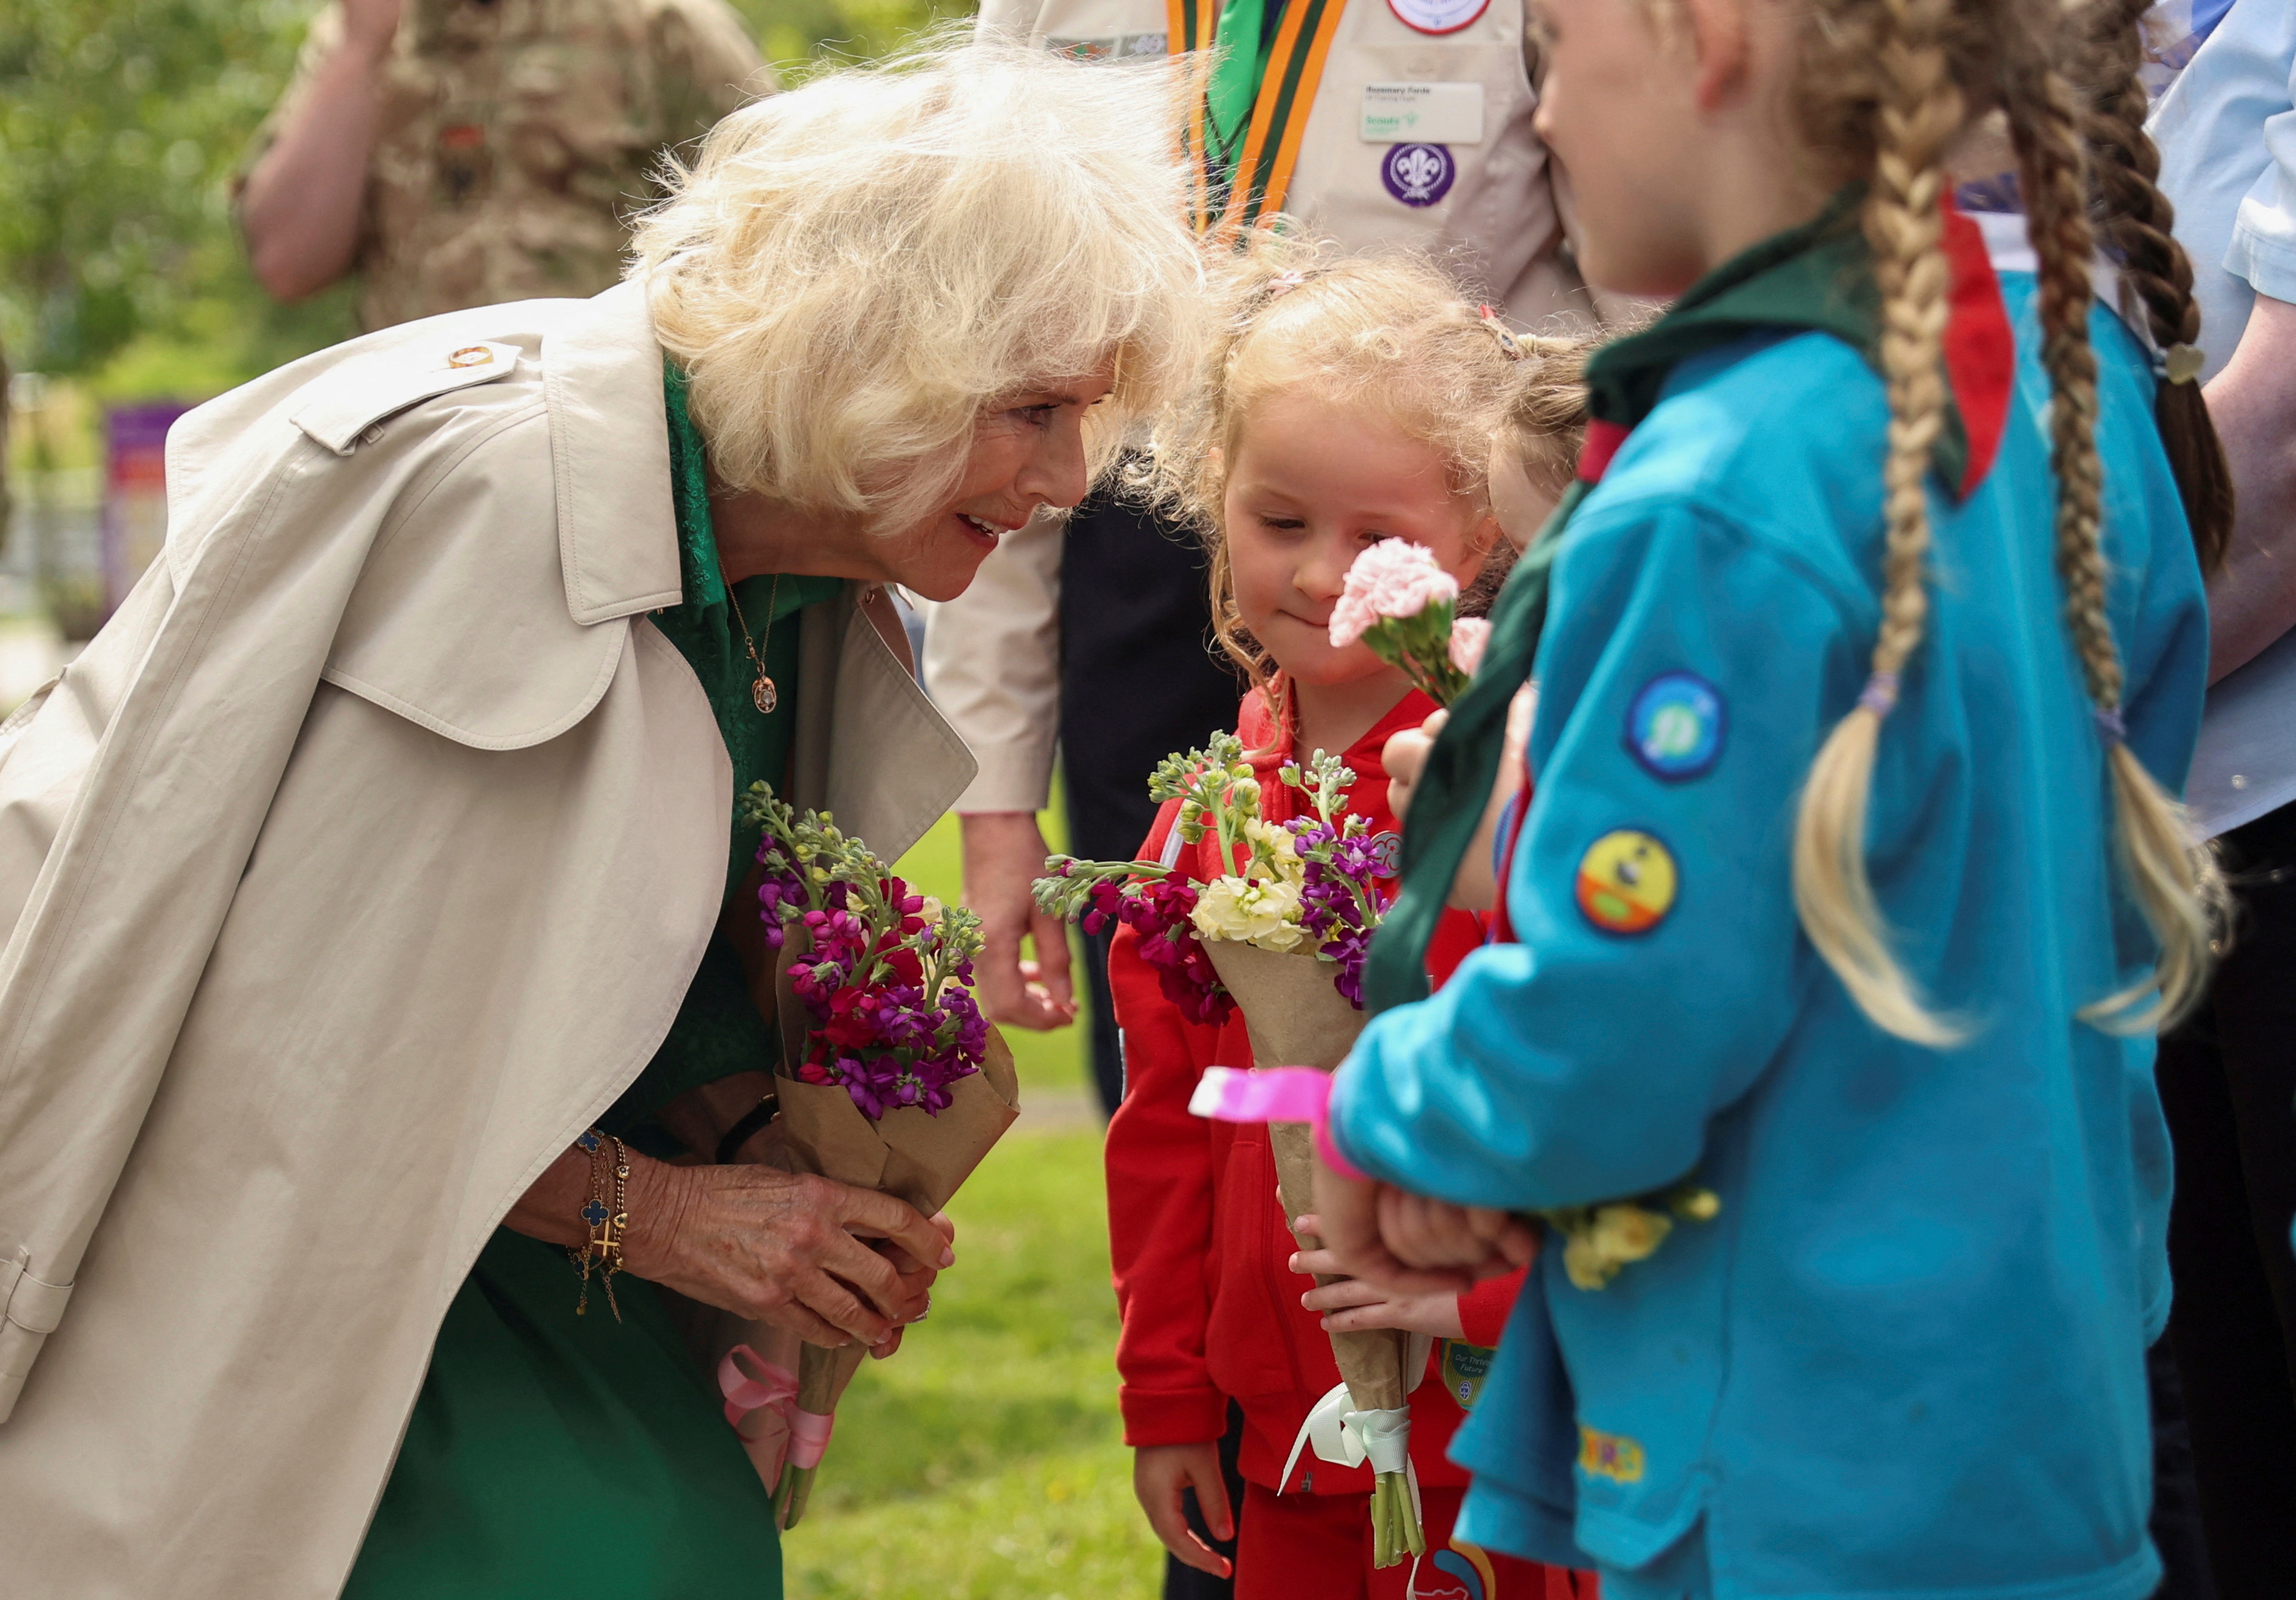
{"x":1348,"y":403}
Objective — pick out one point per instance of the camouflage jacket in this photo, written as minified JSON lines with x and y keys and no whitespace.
{"x":517,"y":135}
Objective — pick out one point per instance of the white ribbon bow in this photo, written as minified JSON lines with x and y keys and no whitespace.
{"x":1346,"y":1436}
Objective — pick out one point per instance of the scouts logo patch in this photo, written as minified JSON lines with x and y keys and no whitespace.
{"x":1437,"y":16}
{"x":1386,"y":855}
{"x":1418,"y":175}
{"x":1612,"y":1455}
{"x":1675,"y":726}
{"x":1626,"y":881}
{"x":1464,"y":1368}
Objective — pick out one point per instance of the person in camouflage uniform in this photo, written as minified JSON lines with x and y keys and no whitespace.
{"x":462,"y":153}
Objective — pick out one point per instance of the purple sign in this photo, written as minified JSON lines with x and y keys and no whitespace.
{"x":1418,"y":175}
{"x":134,"y":493}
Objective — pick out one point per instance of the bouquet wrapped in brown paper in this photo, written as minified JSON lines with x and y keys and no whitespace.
{"x":888,"y":1077}
{"x":1281,"y":934}
{"x":1296,"y":1018}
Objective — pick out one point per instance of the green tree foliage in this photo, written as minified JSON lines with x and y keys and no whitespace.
{"x":121,"y":123}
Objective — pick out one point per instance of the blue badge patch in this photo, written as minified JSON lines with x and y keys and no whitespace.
{"x":1675,"y":727}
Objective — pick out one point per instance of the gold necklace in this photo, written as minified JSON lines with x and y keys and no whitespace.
{"x":763,"y":691}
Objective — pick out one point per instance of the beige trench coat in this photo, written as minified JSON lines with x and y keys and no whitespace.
{"x":356,"y":866}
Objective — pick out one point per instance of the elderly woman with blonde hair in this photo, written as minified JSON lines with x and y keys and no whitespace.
{"x":374,"y":870}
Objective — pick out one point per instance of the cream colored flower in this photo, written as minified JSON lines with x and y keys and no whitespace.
{"x":1247,"y":911}
{"x":1273,"y":843}
{"x":1618,"y":1235}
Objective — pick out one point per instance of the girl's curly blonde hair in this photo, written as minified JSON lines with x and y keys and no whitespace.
{"x":1387,"y":333}
{"x":852,"y":272}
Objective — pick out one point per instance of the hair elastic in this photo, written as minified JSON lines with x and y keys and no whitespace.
{"x":2111,"y":726}
{"x":1508,"y":342}
{"x":2182,"y":364}
{"x":1880,"y":694}
{"x":1283,"y":284}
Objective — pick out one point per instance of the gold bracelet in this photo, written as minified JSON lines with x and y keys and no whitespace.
{"x":610,"y":1243}
{"x":593,"y":1214}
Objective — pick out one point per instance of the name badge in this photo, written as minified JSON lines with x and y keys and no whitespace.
{"x":1423,"y":113}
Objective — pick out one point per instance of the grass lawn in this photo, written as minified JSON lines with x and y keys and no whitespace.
{"x":985,"y":1460}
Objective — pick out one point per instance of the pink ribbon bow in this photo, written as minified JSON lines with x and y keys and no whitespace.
{"x":1273,"y":1095}
{"x":767,"y":1386}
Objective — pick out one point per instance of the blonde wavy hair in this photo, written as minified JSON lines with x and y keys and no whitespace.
{"x":852,"y":273}
{"x":1387,"y":333}
{"x":1890,"y":85}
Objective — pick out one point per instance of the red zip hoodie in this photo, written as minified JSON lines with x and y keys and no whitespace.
{"x":1211,"y":1312}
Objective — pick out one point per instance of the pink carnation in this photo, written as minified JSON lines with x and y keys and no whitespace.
{"x":1392,"y":579}
{"x":1469,"y":635}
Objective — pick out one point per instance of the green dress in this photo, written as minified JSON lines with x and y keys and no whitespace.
{"x":569,"y":1457}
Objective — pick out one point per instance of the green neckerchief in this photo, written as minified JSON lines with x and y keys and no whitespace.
{"x":1818,"y":276}
{"x":1244,"y":40}
{"x":704,"y":630}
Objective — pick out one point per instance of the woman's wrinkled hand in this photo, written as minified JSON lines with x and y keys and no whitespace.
{"x":833,"y":1264}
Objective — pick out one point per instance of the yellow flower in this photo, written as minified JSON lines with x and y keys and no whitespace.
{"x":1700,"y":1205}
{"x":1248,"y":911}
{"x":1273,"y":843}
{"x":1617,"y":1235}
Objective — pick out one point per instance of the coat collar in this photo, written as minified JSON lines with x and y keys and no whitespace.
{"x":610,"y":450}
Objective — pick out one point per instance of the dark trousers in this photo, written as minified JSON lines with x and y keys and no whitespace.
{"x":1138,"y":680}
{"x":2228,"y":1084}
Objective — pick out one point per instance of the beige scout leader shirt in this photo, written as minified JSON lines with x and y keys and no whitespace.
{"x":1469,"y":183}
{"x":517,"y":136}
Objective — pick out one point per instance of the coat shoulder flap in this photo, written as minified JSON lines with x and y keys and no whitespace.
{"x":459,"y":621}
{"x":347,"y":401}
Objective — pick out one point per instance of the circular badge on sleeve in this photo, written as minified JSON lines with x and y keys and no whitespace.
{"x":1626,"y":881}
{"x":1418,"y":175}
{"x":1437,"y":16}
{"x":1675,"y":726}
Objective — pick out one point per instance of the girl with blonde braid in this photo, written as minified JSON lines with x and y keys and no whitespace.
{"x":1851,"y":888}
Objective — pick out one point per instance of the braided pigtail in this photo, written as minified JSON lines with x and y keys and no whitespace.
{"x":2136,"y":219}
{"x":1921,"y":111}
{"x":2174,"y":881}
{"x":1918,"y":116}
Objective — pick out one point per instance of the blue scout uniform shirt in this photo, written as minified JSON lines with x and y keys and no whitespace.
{"x":1907,"y":1356}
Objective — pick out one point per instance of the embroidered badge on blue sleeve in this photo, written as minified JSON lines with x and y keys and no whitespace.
{"x":1626,"y":881}
{"x":1676,"y":725}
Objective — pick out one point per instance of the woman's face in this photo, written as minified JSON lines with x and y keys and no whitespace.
{"x":1312,"y":487}
{"x":1028,"y":452}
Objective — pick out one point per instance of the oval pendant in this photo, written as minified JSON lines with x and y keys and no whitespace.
{"x":764,"y":693}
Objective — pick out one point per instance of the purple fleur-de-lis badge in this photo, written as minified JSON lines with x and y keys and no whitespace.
{"x":1418,"y":175}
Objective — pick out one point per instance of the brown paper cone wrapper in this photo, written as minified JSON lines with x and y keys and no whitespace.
{"x":914,"y":1155}
{"x":1298,"y":1018}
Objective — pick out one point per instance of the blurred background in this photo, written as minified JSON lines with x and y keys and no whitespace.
{"x":986,"y":1459}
